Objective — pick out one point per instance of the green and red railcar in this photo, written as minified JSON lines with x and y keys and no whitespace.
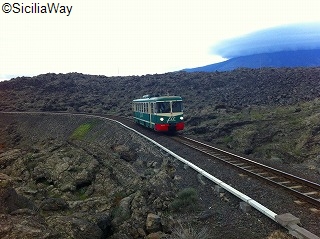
{"x":161,"y":113}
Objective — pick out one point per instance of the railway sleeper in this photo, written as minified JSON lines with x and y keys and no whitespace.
{"x":263,"y":173}
{"x":272,"y":177}
{"x":311,"y":193}
{"x":239,"y":164}
{"x":295,"y":187}
{"x":246,"y":167}
{"x":230,"y":161}
{"x":285,"y":182}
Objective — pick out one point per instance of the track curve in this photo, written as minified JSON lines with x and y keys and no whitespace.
{"x":304,"y":189}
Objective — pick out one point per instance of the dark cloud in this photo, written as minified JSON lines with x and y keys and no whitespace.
{"x":283,"y":38}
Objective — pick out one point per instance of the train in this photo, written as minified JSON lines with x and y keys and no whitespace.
{"x":160,"y":113}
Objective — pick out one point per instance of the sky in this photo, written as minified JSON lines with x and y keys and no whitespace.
{"x":136,"y":37}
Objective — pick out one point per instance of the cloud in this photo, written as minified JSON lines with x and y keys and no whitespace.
{"x":282,"y":38}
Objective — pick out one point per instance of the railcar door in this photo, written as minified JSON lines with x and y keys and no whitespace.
{"x":149,"y":112}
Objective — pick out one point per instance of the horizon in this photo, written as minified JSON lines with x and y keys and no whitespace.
{"x":121,"y":38}
{"x":3,"y":78}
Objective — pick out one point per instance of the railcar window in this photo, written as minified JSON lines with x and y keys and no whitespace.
{"x":177,"y":106}
{"x":163,"y":107}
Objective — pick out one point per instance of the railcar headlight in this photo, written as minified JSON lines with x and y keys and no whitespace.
{"x":181,"y":117}
{"x":161,"y":119}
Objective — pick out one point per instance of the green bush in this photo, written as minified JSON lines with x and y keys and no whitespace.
{"x":186,"y":199}
{"x":80,"y":132}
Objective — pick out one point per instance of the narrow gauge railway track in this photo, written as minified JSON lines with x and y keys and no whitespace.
{"x":305,"y":190}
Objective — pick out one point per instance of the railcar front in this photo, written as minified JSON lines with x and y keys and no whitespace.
{"x":168,"y":114}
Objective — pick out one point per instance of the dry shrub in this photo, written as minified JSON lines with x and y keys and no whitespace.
{"x":188,"y":232}
{"x":279,"y":235}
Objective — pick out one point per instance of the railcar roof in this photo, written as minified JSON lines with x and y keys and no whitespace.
{"x":159,"y":98}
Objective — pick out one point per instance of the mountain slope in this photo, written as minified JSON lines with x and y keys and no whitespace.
{"x":101,"y":94}
{"x":268,"y":113}
{"x":299,"y":58}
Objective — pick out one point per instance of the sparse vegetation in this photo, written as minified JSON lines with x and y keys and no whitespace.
{"x":86,"y":175}
{"x":80,"y":132}
{"x":265,"y":117}
{"x":271,"y":117}
{"x":189,"y":232}
{"x":187,"y":199}
{"x":280,"y":235}
{"x":81,"y":194}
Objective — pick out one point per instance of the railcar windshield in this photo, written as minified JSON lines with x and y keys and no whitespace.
{"x":177,"y":106}
{"x":163,"y":107}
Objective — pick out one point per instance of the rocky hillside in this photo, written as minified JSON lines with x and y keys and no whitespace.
{"x":72,"y":177}
{"x":67,"y":176}
{"x":236,"y":89}
{"x":269,"y":114}
{"x":60,"y":180}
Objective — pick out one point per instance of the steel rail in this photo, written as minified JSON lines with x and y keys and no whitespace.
{"x":250,"y":167}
